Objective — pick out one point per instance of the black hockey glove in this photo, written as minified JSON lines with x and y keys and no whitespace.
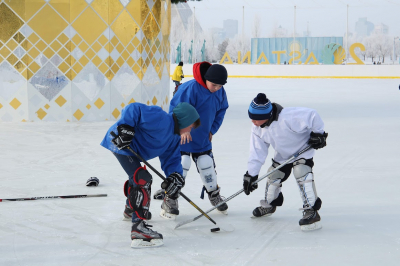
{"x":92,"y":182}
{"x":248,"y":185}
{"x":317,"y":140}
{"x":125,"y":136}
{"x":173,"y":184}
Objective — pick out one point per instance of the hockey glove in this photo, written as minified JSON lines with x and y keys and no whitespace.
{"x":125,"y":136}
{"x":317,"y":140}
{"x":248,"y":185}
{"x":92,"y":182}
{"x":173,"y":184}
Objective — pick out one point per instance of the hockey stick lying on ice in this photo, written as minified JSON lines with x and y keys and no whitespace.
{"x":55,"y":197}
{"x":180,"y":193}
{"x":294,"y":156}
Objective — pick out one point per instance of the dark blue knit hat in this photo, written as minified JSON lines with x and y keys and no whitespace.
{"x":186,"y":114}
{"x":260,"y":108}
{"x":216,"y":74}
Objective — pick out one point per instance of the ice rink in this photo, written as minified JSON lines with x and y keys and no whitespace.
{"x":356,"y":175}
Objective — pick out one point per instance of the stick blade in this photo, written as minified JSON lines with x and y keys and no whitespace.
{"x":183,"y":223}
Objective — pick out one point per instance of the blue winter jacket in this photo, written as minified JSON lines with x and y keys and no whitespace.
{"x":154,"y":136}
{"x":210,"y":106}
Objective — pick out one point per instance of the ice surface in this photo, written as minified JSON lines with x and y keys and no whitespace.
{"x":357,"y":178}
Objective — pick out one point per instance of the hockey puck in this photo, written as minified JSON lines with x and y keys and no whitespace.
{"x":215,"y":229}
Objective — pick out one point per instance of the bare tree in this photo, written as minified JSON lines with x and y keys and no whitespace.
{"x":222,"y":47}
{"x":212,"y":53}
{"x":397,"y":49}
{"x":382,"y":46}
{"x":238,"y":44}
{"x":370,"y":48}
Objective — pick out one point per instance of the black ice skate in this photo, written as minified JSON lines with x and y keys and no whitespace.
{"x":143,"y":237}
{"x":215,"y":198}
{"x":310,"y":221}
{"x":128,"y":214}
{"x":169,"y":208}
{"x":261,"y":211}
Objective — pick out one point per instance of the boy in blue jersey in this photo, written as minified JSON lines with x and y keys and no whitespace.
{"x":207,"y":94}
{"x":150,"y":132}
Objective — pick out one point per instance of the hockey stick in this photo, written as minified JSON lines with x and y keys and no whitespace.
{"x":294,"y":156}
{"x":163,"y":178}
{"x":55,"y":197}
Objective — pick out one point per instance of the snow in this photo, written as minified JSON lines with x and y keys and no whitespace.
{"x":356,"y":177}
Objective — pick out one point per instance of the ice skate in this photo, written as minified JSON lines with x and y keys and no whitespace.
{"x":215,"y":198}
{"x":143,"y":237}
{"x":169,"y":208}
{"x":262,"y":211}
{"x":310,"y":221}
{"x":128,"y":214}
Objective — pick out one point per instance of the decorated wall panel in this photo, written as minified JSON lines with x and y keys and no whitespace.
{"x":82,"y":60}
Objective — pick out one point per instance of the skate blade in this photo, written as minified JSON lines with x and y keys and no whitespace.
{"x":127,"y":218}
{"x":140,"y":243}
{"x":311,"y":227}
{"x":265,"y":215}
{"x":167,"y":215}
{"x":223,"y":212}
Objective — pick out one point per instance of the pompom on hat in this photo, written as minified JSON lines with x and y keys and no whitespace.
{"x":186,"y":114}
{"x":260,"y":108}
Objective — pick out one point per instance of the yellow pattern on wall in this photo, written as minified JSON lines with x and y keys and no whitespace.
{"x":65,"y":55}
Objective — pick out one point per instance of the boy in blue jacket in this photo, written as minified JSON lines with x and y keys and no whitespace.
{"x":150,"y":132}
{"x":207,"y":94}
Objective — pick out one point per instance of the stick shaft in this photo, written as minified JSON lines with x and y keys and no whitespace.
{"x":55,"y":197}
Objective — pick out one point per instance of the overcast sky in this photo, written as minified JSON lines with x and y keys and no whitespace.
{"x":323,"y":17}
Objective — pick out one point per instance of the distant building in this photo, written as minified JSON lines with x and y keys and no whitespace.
{"x":230,"y":28}
{"x":280,"y":32}
{"x":381,"y":29}
{"x":364,"y":27}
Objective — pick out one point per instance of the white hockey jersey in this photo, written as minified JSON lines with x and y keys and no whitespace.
{"x":288,"y":135}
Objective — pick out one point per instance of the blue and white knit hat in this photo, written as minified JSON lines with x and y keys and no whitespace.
{"x":260,"y":108}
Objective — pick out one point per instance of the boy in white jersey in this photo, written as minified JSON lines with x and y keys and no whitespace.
{"x":287,"y":130}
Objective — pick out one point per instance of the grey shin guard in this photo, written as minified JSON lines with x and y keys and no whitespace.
{"x":305,"y":181}
{"x":273,"y":194}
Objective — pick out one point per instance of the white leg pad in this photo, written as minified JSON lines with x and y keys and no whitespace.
{"x":205,"y":165}
{"x":273,"y":187}
{"x":305,"y":181}
{"x":186,"y":162}
{"x":272,"y":191}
